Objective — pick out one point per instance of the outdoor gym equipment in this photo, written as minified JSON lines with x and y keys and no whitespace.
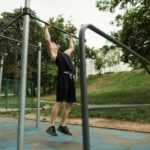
{"x":84,"y":105}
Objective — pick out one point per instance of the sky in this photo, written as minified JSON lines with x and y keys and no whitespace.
{"x":78,"y":11}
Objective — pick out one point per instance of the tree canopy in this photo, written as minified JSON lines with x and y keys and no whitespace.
{"x":135,"y":26}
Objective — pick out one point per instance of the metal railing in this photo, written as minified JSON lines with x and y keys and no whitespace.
{"x":9,"y":96}
{"x":84,"y":100}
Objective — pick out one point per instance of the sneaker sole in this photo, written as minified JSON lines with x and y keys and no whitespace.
{"x":63,"y":132}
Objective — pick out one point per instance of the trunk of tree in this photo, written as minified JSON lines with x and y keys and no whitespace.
{"x":49,"y":89}
{"x":44,"y":89}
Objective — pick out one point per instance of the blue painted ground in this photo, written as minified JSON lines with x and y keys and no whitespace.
{"x":100,"y":139}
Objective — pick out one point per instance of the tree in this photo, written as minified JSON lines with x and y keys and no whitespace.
{"x":13,"y":60}
{"x":110,"y":5}
{"x":13,"y":49}
{"x":108,"y":56}
{"x":99,"y":63}
{"x":135,"y":26}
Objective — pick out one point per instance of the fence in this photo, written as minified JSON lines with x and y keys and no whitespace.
{"x":10,"y":92}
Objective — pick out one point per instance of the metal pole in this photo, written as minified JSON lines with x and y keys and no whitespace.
{"x":24,"y":56}
{"x":124,"y":106}
{"x":9,"y":24}
{"x":106,"y":36}
{"x":14,"y":40}
{"x":38,"y":87}
{"x":1,"y":73}
{"x":83,"y":85}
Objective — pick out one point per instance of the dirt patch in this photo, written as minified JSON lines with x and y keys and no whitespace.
{"x":104,"y":123}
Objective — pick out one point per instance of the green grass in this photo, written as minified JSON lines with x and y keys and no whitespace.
{"x":119,"y":88}
{"x":115,"y":88}
{"x":13,"y":103}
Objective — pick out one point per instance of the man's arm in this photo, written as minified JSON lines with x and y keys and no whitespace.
{"x":71,"y":46}
{"x":51,"y":51}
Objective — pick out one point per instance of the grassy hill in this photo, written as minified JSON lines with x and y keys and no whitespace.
{"x":119,"y":88}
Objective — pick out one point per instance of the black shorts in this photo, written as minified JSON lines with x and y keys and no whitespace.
{"x":65,"y":90}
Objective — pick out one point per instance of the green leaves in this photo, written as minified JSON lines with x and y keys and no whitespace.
{"x":135,"y":23}
{"x":110,"y":5}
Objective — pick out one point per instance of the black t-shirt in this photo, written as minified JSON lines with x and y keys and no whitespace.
{"x":64,"y":63}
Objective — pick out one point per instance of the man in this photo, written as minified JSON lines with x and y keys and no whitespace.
{"x":65,"y":89}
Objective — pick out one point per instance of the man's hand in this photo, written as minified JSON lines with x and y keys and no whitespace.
{"x":47,"y":25}
{"x":71,"y":35}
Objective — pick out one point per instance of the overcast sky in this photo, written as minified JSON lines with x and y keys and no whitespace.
{"x":79,"y":11}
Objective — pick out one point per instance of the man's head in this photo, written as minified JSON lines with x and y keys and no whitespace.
{"x":55,"y":46}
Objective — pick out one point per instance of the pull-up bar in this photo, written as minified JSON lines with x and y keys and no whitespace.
{"x":27,"y":10}
{"x":33,"y":17}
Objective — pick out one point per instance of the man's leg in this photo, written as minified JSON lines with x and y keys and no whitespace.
{"x":51,"y":130}
{"x":66,"y":111}
{"x":54,"y":113}
{"x":62,"y":127}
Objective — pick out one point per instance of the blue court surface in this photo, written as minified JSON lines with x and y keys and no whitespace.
{"x":38,"y":139}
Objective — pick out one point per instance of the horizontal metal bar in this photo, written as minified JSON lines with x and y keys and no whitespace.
{"x":9,"y":24}
{"x":105,"y":107}
{"x":106,"y":36}
{"x":52,"y":26}
{"x":14,"y":40}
